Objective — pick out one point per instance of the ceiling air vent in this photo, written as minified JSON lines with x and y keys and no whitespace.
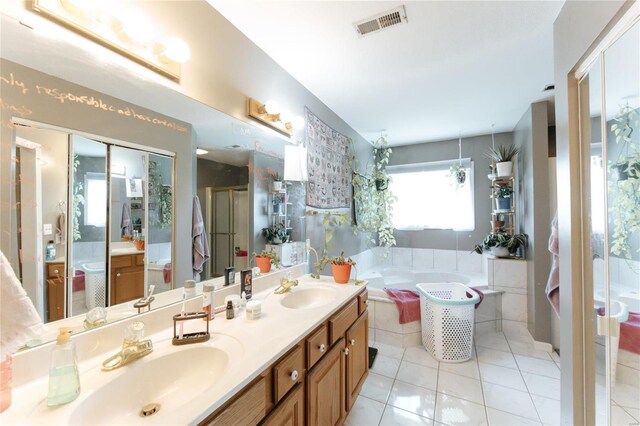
{"x":381,"y":21}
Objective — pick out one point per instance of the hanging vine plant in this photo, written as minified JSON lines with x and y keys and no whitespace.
{"x":76,"y":201}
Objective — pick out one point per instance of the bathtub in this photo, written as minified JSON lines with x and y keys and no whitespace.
{"x":384,"y":321}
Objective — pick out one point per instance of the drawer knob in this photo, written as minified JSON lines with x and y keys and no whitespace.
{"x":118,"y":274}
{"x":55,"y":271}
{"x":346,"y":351}
{"x":353,"y":342}
{"x":294,"y":375}
{"x":322,"y":347}
{"x":366,"y":302}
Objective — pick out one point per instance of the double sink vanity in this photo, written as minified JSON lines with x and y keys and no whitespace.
{"x":302,"y":362}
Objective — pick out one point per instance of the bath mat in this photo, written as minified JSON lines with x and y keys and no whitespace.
{"x":373,"y":352}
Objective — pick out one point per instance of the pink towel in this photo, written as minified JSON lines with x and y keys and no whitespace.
{"x":629,"y":332}
{"x":553,"y":284}
{"x":407,"y":302}
{"x":166,"y":273}
{"x":480,"y":293}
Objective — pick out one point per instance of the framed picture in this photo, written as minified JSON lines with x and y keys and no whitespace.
{"x":134,"y":188}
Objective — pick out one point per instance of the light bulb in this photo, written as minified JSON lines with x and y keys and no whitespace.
{"x":272,"y":107}
{"x":177,"y":50}
{"x":137,"y":27}
{"x":285,"y":116}
{"x":200,"y":151}
{"x":297,"y":122}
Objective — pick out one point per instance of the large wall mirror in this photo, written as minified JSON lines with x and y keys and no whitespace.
{"x":117,"y":175}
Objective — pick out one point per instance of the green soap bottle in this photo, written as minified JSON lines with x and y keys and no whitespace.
{"x":64,"y":379}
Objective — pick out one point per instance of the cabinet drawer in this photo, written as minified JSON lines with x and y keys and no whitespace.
{"x":287,"y":373}
{"x":363,"y":301}
{"x":139,"y":259}
{"x":121,"y":261}
{"x":340,"y":322}
{"x":248,"y":409}
{"x":317,"y":346}
{"x":55,"y":270}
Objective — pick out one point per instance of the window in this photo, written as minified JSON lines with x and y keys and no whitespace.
{"x":429,"y":197}
{"x":95,"y":199}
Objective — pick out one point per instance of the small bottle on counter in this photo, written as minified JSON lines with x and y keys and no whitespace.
{"x":243,"y":300}
{"x":189,"y":289}
{"x":51,"y":250}
{"x":207,"y":301}
{"x":229,"y":310}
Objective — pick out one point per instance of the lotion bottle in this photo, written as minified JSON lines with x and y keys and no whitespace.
{"x":64,"y":379}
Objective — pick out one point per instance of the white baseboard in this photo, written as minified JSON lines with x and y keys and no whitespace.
{"x":543,"y":346}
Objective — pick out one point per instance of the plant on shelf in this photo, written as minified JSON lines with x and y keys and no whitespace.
{"x":265,"y":259}
{"x":624,"y":184}
{"x":275,"y":234}
{"x":277,"y":181}
{"x":503,"y":197}
{"x":503,"y":158}
{"x":501,"y":244}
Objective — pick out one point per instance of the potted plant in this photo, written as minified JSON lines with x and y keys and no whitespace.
{"x":503,"y":198}
{"x":340,"y":267}
{"x":265,"y":259}
{"x":277,"y":182}
{"x":458,"y":173}
{"x":502,"y":244}
{"x":278,"y":200}
{"x":275,"y":234}
{"x":497,"y":224}
{"x":139,"y":242}
{"x":628,"y":163}
{"x":503,"y":158}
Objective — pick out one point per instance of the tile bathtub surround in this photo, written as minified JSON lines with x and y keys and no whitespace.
{"x":496,"y":387}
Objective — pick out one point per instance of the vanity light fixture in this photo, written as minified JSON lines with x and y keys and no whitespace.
{"x":122,"y":29}
{"x":272,"y":115}
{"x":200,"y":151}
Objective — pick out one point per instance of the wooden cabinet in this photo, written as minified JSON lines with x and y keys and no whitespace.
{"x":290,"y":412}
{"x":357,"y":353}
{"x":287,"y":373}
{"x":247,"y":409}
{"x":127,"y":278}
{"x":55,"y":291}
{"x":326,"y":390}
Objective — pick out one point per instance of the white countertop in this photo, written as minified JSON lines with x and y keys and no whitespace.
{"x":262,"y":342}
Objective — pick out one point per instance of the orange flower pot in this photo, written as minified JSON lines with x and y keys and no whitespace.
{"x":139,"y":245}
{"x":264,"y":263}
{"x":341,"y":273}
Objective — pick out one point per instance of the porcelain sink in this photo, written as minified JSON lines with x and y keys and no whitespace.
{"x":169,"y":380}
{"x":308,"y":297}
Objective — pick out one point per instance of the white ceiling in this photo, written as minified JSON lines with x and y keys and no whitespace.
{"x":456,"y":66}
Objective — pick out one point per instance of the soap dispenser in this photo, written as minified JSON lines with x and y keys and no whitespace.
{"x":64,"y":379}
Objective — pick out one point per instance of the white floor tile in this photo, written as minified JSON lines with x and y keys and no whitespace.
{"x":538,"y":366}
{"x":509,"y":400}
{"x":385,"y":366}
{"x":500,"y":418}
{"x":467,"y":369}
{"x":548,"y":409}
{"x":526,"y":348}
{"x":377,"y":387}
{"x":626,"y":396}
{"x":460,"y":386}
{"x":419,"y":375}
{"x":620,"y":417}
{"x":502,"y":376}
{"x":542,"y":385}
{"x":391,"y":351}
{"x":415,"y":399}
{"x":633,"y":412}
{"x":419,"y":355}
{"x":454,"y":411}
{"x":394,"y":416}
{"x":501,"y":358}
{"x":365,"y":412}
{"x":495,"y":341}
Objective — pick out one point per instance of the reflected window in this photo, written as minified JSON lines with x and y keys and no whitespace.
{"x":95,"y":195}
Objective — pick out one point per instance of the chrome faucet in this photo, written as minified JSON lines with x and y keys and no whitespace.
{"x":285,"y":285}
{"x":132,"y":348}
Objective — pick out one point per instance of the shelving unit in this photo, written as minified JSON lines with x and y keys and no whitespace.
{"x":509,"y":215}
{"x":279,"y":208}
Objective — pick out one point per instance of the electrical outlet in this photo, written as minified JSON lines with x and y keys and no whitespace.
{"x":47,"y":229}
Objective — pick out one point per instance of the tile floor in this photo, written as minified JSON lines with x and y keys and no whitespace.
{"x":507,"y":382}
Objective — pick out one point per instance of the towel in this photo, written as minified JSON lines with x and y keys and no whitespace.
{"x":553,"y":283}
{"x":19,"y":320}
{"x":407,"y":302}
{"x":61,"y":226}
{"x":629,"y":332}
{"x":199,"y":238}
{"x":480,"y":293}
{"x":125,"y":223}
{"x":166,"y":273}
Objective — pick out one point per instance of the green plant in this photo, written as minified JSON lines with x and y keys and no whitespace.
{"x":502,"y":154}
{"x":330,"y":221}
{"x":511,"y":242}
{"x":275,"y":232}
{"x":335,"y":260}
{"x":503,"y":192}
{"x":276,"y":177}
{"x":271,"y":254}
{"x":76,"y":201}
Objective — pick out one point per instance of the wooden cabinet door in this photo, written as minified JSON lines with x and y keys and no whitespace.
{"x":290,"y":412}
{"x":326,"y":389}
{"x":55,"y":299}
{"x":357,"y":343}
{"x":128,"y":284}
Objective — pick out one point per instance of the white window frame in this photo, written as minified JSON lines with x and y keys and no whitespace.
{"x":99,"y":177}
{"x":434,"y":166}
